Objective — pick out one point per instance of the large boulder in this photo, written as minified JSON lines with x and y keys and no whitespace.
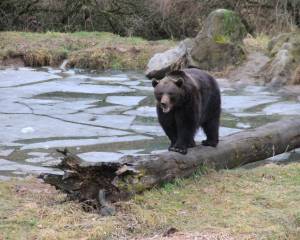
{"x":283,"y":68}
{"x":172,"y":59}
{"x":218,"y":45}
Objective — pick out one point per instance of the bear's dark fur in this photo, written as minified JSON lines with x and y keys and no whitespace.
{"x":186,"y":100}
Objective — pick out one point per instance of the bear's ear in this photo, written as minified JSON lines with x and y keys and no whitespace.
{"x":179,"y":82}
{"x":179,"y":75}
{"x":154,"y":83}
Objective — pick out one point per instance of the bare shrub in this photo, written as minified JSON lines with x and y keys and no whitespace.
{"x":152,"y":19}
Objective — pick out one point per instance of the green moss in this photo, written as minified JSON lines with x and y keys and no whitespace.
{"x":231,"y":20}
{"x":227,"y":26}
{"x":222,"y":39}
{"x":132,"y":183}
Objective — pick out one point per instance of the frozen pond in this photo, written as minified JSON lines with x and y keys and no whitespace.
{"x":103,"y":116}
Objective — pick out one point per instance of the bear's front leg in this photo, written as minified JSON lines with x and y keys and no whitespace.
{"x":185,"y":133}
{"x":167,"y":121}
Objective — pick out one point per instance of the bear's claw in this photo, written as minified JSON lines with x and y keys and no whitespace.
{"x":179,"y":150}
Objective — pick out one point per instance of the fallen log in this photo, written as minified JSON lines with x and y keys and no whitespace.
{"x":133,"y":174}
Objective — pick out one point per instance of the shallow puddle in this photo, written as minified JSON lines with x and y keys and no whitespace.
{"x":104,"y":116}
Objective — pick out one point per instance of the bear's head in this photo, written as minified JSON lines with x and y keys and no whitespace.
{"x":169,"y":91}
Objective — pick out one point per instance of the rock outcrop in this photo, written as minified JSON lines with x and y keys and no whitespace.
{"x":218,"y":45}
{"x":284,"y":66}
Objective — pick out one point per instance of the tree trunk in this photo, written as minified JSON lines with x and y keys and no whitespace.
{"x":134,"y":174}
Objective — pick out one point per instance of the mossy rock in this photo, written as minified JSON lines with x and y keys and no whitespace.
{"x":219,"y":44}
{"x":224,"y":26}
{"x":211,"y":55}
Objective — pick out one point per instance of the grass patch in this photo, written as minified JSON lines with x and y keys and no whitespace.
{"x":258,"y":43}
{"x":261,"y":203}
{"x":96,"y":50}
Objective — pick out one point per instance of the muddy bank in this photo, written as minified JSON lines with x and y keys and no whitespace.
{"x":89,"y":50}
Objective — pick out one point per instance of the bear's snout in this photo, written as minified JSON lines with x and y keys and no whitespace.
{"x":165,"y":108}
{"x":165,"y":103}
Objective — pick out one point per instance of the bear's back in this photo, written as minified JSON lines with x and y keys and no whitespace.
{"x":201,"y":78}
{"x":208,"y":89}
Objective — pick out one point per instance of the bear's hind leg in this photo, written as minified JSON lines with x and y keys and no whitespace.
{"x":191,"y":144}
{"x":211,"y":130}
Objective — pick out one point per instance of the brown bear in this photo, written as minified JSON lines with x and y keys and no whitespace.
{"x":186,"y":100}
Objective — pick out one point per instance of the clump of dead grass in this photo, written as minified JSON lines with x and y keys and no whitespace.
{"x":111,"y":58}
{"x":257,"y":43}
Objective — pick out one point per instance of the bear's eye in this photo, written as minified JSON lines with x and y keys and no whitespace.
{"x":159,"y":96}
